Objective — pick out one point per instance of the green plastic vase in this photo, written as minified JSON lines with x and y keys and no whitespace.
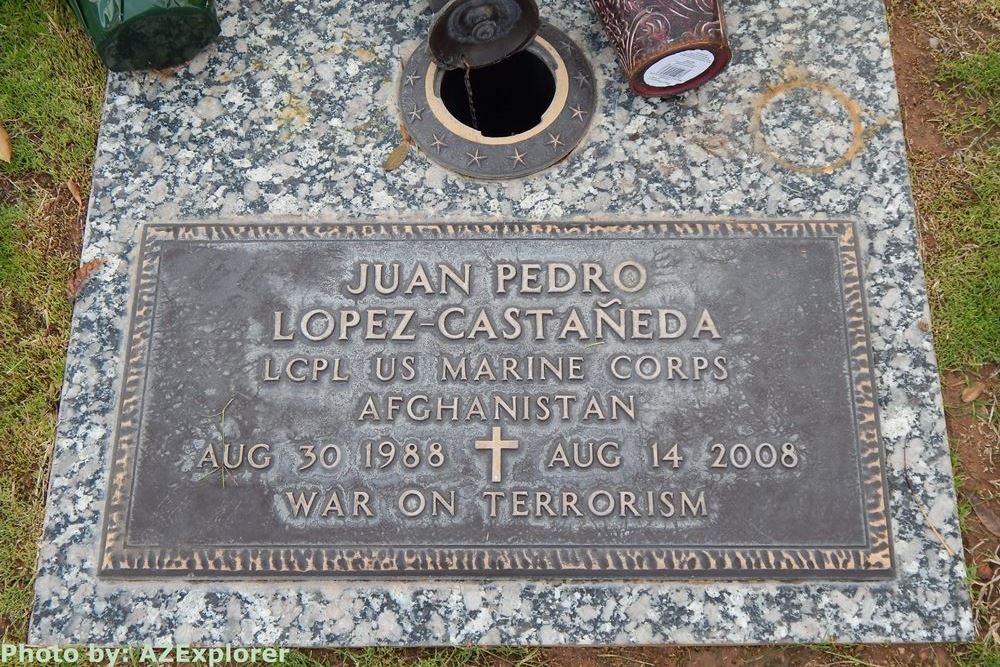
{"x":147,"y":34}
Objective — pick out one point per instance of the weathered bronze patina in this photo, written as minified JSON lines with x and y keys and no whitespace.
{"x":465,"y":144}
{"x":476,"y":33}
{"x":683,"y":400}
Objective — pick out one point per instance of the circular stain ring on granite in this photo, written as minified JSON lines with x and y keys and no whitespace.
{"x":760,"y":127}
{"x":461,"y":148}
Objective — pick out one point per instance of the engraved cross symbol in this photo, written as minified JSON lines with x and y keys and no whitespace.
{"x":496,"y":445}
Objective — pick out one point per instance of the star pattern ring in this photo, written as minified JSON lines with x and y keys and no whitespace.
{"x":456,"y":146}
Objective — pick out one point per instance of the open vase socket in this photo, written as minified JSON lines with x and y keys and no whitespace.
{"x":496,"y":93}
{"x":503,"y":99}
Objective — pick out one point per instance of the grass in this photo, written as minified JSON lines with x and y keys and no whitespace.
{"x":50,"y":91}
{"x":964,"y":269}
{"x":443,"y":657}
{"x":50,"y":95}
{"x":959,"y":202}
{"x":978,"y":76}
{"x":980,"y":656}
{"x":964,"y":506}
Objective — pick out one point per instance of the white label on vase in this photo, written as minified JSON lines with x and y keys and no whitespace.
{"x":678,"y":68}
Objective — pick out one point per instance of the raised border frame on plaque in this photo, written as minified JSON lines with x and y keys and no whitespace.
{"x":118,"y":559}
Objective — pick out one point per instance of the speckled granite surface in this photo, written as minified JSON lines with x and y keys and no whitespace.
{"x":292,"y":113}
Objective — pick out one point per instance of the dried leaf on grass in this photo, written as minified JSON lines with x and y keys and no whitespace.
{"x":74,"y":190}
{"x":81,"y":276}
{"x":972,"y":392}
{"x":987,"y":516}
{"x":6,"y":154}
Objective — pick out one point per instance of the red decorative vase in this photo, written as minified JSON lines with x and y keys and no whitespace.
{"x":666,"y":46}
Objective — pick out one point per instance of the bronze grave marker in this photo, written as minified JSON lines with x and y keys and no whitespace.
{"x":683,"y":400}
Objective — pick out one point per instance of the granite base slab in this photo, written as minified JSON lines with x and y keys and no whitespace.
{"x":292,"y":113}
